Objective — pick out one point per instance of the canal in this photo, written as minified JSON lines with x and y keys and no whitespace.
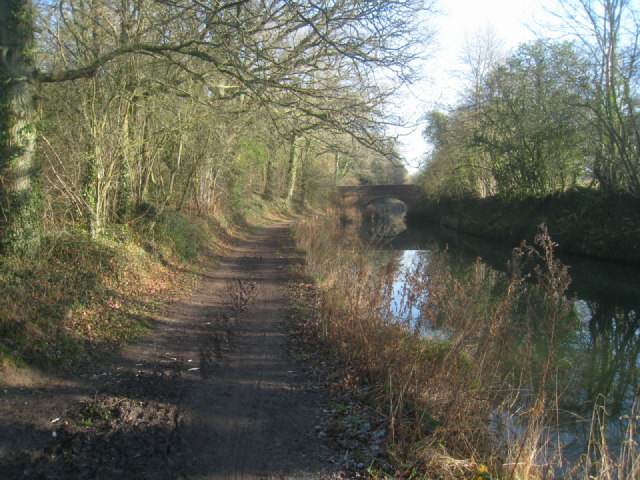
{"x":597,"y":361}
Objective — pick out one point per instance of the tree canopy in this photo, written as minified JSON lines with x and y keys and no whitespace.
{"x":193,"y":103}
{"x":552,"y":116}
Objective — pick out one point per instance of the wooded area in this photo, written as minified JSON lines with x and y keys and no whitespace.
{"x":142,"y":139}
{"x":110,"y":107}
{"x":557,"y":114}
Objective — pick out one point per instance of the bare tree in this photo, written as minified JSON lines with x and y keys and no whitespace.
{"x":326,"y":65}
{"x":609,"y":32}
{"x":482,"y":52}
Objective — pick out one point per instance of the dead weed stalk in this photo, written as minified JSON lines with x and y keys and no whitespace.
{"x":441,"y":375}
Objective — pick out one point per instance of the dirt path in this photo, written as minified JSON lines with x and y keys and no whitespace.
{"x":212,"y":394}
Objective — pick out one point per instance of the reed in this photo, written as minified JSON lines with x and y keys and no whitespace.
{"x":443,"y":377}
{"x":600,"y":461}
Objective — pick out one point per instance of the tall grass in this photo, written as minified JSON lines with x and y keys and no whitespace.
{"x":600,"y":461}
{"x":442,"y":377}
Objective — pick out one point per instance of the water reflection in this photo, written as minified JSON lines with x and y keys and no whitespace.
{"x":384,"y":217}
{"x":598,"y":355}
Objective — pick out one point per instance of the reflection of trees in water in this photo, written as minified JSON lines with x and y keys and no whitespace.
{"x":603,"y":353}
{"x":598,"y":348}
{"x":385,"y":216}
{"x":603,"y":361}
{"x":611,"y":355}
{"x":598,"y":357}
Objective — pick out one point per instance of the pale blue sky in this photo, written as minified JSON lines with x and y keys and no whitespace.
{"x":510,"y":20}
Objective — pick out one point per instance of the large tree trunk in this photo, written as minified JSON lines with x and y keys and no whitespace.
{"x":19,"y":202}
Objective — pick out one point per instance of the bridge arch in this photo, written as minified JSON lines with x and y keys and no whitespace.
{"x":362,"y":195}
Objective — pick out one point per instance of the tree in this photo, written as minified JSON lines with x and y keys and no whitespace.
{"x":456,"y":166}
{"x":451,"y":170}
{"x":531,"y":127}
{"x":19,"y":195}
{"x":482,"y":53}
{"x":608,"y":32}
{"x":521,"y":132}
{"x":124,"y":63}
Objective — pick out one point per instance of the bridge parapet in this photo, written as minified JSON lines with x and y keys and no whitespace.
{"x":360,"y":195}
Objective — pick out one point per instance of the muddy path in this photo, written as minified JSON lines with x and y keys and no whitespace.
{"x":212,"y":394}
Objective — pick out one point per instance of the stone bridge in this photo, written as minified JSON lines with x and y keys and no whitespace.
{"x":362,"y":195}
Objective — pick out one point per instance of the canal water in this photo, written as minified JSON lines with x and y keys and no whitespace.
{"x":602,"y":353}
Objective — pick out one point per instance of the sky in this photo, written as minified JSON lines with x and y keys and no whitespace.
{"x":510,"y":19}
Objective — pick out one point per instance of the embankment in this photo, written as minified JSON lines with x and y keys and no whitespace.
{"x":582,"y":221}
{"x":76,"y":297}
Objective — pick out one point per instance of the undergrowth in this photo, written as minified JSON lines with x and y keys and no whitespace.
{"x":454,"y":379}
{"x":77,"y":296}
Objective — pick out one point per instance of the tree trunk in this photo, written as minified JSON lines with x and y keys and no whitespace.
{"x":19,"y":200}
{"x":294,"y":160}
{"x":305,"y":184}
{"x":267,"y":193}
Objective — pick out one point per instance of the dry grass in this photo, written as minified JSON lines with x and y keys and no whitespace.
{"x":441,"y":392}
{"x":601,"y":462}
{"x":78,"y":297}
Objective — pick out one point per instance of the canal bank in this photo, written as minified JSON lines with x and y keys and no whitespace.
{"x":470,"y":369}
{"x":582,"y":221}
